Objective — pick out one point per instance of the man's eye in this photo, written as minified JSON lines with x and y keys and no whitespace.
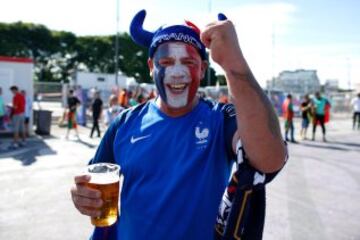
{"x":189,"y":62}
{"x":165,"y":62}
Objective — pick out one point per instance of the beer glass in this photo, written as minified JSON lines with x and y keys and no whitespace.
{"x":105,"y":178}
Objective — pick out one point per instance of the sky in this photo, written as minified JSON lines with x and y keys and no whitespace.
{"x":322,"y":35}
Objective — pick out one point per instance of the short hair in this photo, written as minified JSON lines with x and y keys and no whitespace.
{"x":14,"y":88}
{"x":112,"y":98}
{"x":289,"y":96}
{"x":71,"y":91}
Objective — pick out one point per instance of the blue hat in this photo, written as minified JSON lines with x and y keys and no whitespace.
{"x":188,"y":33}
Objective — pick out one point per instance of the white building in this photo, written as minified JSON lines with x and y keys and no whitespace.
{"x":297,"y":82}
{"x":18,"y":72}
{"x":100,"y":81}
{"x":332,"y":84}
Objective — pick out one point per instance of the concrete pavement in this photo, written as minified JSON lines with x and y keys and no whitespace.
{"x":316,"y":196}
{"x":35,"y":181}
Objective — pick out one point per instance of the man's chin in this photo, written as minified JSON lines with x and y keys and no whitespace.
{"x":176,"y":105}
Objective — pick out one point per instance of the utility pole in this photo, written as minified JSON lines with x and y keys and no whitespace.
{"x":117,"y":44}
{"x":348,"y":66}
{"x":208,"y":69}
{"x":272,"y":80}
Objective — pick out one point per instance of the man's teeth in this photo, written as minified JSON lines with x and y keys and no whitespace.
{"x":178,"y":86}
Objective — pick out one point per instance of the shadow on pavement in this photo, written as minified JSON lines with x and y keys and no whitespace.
{"x":356,"y":145}
{"x":28,"y":154}
{"x":327,"y":146}
{"x":87,"y":144}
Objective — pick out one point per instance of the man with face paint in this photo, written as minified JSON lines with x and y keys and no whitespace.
{"x":176,"y":151}
{"x":177,"y":69}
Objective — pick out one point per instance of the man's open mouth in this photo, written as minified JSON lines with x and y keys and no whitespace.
{"x":177,"y":87}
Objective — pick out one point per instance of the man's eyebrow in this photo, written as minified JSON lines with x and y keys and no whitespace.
{"x":188,"y":58}
{"x":165,"y":58}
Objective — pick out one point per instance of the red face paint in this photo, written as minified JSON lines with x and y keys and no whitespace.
{"x":195,"y":73}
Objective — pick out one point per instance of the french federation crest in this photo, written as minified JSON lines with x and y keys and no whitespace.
{"x":201,"y":134}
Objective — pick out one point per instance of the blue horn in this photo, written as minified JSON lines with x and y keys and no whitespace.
{"x":138,"y":34}
{"x":221,"y":17}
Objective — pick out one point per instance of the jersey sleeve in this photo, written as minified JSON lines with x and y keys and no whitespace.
{"x":230,"y":127}
{"x":105,"y":153}
{"x":259,"y":177}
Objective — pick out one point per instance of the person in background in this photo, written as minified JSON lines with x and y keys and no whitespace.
{"x":72,"y":103}
{"x":356,"y":108}
{"x":96,"y":109}
{"x":288,"y":113}
{"x":28,"y":112}
{"x":18,"y":111}
{"x":123,"y":98}
{"x":2,"y":110}
{"x":319,"y":106}
{"x":112,"y":111}
{"x":305,"y":115}
{"x":223,"y":98}
{"x":152,"y":94}
{"x":132,"y":99}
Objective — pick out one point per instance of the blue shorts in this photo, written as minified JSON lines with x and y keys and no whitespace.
{"x":18,"y":123}
{"x":305,"y":123}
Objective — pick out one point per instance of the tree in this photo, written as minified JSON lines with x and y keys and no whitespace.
{"x":209,"y":81}
{"x":57,"y":54}
{"x":221,"y":80}
{"x":133,"y":59}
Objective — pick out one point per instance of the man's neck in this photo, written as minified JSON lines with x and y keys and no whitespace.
{"x":176,"y":112}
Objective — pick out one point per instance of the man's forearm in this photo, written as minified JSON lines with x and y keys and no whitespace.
{"x":258,"y":125}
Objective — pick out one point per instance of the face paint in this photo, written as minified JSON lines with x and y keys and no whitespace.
{"x":159,"y":71}
{"x":177,"y":73}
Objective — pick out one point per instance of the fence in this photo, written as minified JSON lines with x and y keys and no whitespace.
{"x":48,"y":91}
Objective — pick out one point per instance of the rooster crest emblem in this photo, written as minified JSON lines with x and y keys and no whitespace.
{"x":201,"y":135}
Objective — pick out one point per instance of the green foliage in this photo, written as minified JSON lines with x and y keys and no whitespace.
{"x":209,"y":81}
{"x":222,"y":80}
{"x":58,"y":54}
{"x":133,"y":59}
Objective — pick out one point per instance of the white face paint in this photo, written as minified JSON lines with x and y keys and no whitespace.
{"x":177,"y":77}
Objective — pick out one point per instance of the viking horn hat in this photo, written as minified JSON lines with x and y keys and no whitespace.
{"x":188,"y":33}
{"x":138,"y":33}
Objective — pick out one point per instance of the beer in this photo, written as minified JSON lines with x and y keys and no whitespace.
{"x":105,"y":178}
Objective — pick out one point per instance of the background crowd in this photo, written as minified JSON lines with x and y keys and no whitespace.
{"x":314,"y":111}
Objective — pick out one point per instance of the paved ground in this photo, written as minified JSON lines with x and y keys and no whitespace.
{"x":316,"y":196}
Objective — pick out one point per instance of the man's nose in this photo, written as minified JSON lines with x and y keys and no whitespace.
{"x":178,"y":72}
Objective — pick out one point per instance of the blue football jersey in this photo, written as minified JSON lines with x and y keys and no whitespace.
{"x":175,"y":170}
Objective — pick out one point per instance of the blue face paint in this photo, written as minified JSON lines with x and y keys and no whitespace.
{"x":159,"y":71}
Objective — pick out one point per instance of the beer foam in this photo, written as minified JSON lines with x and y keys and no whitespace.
{"x":103,"y":178}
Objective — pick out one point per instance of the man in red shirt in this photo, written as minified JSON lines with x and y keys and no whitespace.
{"x":288,"y":113}
{"x":18,"y":110}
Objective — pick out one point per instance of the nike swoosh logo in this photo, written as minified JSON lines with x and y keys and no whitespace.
{"x":134,"y":140}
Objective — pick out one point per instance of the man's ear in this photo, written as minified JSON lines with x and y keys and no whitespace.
{"x":151,"y":66}
{"x":204,"y":67}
